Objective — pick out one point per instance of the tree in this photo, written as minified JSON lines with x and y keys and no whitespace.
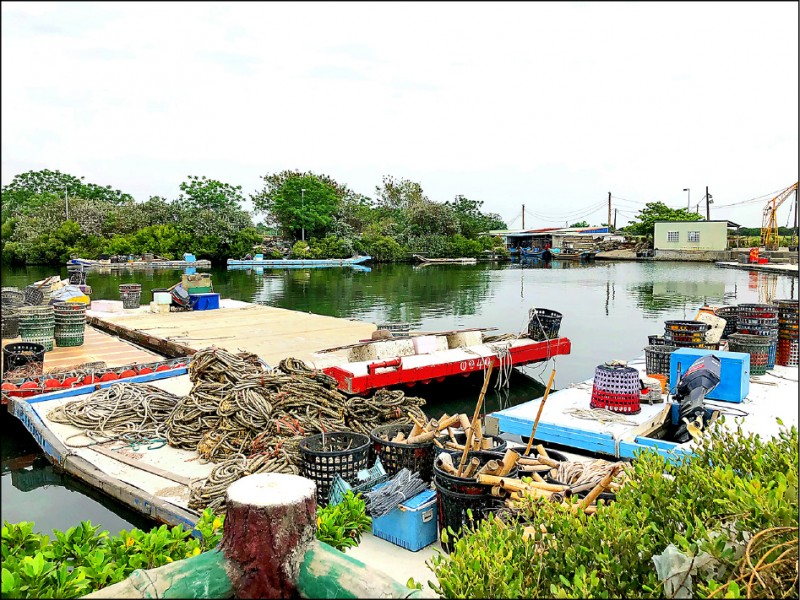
{"x":204,"y":193}
{"x":24,"y":193}
{"x":297,"y":201}
{"x":472,"y":220}
{"x":580,"y":224}
{"x":644,"y":222}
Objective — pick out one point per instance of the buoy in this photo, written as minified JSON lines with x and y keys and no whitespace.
{"x":8,"y":387}
{"x":70,"y":381}
{"x":90,"y":379}
{"x":52,"y":384}
{"x":179,"y":366}
{"x":145,"y":371}
{"x":110,"y":376}
{"x":162,"y":368}
{"x":127,"y":373}
{"x":30,"y":388}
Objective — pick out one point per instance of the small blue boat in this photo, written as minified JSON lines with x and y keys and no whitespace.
{"x":532,"y":252}
{"x":283,"y":263}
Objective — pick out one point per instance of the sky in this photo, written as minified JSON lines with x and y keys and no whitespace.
{"x":547,"y":105}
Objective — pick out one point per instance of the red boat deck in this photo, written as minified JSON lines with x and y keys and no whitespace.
{"x":360,"y":377}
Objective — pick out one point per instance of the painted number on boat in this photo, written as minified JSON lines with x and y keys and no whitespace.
{"x":471,"y":365}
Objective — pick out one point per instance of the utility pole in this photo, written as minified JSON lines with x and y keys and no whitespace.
{"x":302,"y":208}
{"x":708,"y":209}
{"x":523,"y":216}
{"x":66,"y":201}
{"x":609,"y":210}
{"x":615,"y":219}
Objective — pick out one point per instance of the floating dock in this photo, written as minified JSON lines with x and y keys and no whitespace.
{"x":100,"y":265}
{"x":299,"y":262}
{"x":271,"y":333}
{"x":767,"y":268}
{"x":771,"y":396}
{"x":363,"y":376}
{"x":155,"y":481}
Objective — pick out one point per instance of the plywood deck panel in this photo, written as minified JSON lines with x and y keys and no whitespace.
{"x":271,"y":333}
{"x":97,"y":346}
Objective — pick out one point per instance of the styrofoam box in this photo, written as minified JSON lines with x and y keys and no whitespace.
{"x":412,"y":525}
{"x":112,"y":306}
{"x":424,"y":344}
{"x":162,"y":298}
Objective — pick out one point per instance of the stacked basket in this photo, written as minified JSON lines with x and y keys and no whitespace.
{"x":616,"y":388}
{"x":686,"y":334}
{"x":36,"y":325}
{"x":788,"y":314}
{"x":760,"y":319}
{"x":656,"y":358}
{"x":757,"y":346}
{"x":325,"y":455}
{"x":70,"y":323}
{"x":131,"y":294}
{"x":730,"y":314}
{"x":12,"y":300}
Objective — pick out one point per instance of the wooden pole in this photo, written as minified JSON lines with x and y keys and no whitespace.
{"x":478,"y":406}
{"x":609,"y":210}
{"x":539,"y":414}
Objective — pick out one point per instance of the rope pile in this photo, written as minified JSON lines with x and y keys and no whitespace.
{"x":133,"y":413}
{"x":579,"y":474}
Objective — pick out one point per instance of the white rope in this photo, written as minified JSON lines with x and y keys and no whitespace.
{"x":601,"y":415}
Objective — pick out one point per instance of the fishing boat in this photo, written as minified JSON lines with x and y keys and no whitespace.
{"x":106,"y":264}
{"x":533,"y":252}
{"x":575,"y":255}
{"x":298,"y":262}
{"x":443,"y":261}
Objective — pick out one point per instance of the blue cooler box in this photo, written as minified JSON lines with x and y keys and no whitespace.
{"x":204,"y":301}
{"x":734,"y":372}
{"x":412,"y":525}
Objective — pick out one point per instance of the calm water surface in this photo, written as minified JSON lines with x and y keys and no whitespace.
{"x":609,"y":310}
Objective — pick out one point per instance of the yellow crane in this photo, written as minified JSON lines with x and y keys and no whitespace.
{"x":769,"y":224}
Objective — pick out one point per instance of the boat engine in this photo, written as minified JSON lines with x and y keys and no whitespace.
{"x":699,"y":380}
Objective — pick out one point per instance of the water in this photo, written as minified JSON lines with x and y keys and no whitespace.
{"x":609,"y":310}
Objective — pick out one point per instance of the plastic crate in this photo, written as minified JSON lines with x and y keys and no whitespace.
{"x":734,"y":374}
{"x":412,"y":525}
{"x":204,"y":301}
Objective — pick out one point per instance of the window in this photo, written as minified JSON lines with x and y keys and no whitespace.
{"x":672,"y":236}
{"x":693,"y":236}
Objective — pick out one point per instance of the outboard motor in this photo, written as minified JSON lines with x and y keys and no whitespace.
{"x":699,"y":380}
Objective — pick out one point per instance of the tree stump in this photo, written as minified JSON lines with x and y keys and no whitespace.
{"x":270,"y":522}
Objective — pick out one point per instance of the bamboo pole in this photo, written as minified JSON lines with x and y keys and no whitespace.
{"x":598,"y":489}
{"x":475,"y":417}
{"x":539,"y":414}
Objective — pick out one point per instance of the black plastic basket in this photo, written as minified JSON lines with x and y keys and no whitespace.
{"x":656,"y":340}
{"x":12,"y":298}
{"x":33,"y":296}
{"x":325,"y":454}
{"x":543,"y":324}
{"x":452,"y":510}
{"x":731,"y":315}
{"x":466,"y":485}
{"x":22,"y":354}
{"x":498,"y":443}
{"x":656,"y":359}
{"x":10,"y":323}
{"x":417,"y":458}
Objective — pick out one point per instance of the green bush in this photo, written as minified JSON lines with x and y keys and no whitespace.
{"x":381,"y":248}
{"x":300,"y":250}
{"x":713,"y":502}
{"x":328,"y":247}
{"x":341,"y":525}
{"x":81,"y":560}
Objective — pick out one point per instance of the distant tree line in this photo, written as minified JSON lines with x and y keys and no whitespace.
{"x":48,"y":216}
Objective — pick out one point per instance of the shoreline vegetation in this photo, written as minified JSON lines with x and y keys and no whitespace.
{"x":49,"y":217}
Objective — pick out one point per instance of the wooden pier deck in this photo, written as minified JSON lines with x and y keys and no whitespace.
{"x":97,"y":346}
{"x":271,"y":333}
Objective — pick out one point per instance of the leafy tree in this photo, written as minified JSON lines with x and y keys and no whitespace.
{"x":644,"y":223}
{"x":471,"y":219}
{"x":284,"y":200}
{"x":27,"y":190}
{"x":580,"y":224}
{"x":204,"y":193}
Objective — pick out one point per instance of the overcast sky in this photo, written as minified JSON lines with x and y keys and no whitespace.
{"x":550,"y":105}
